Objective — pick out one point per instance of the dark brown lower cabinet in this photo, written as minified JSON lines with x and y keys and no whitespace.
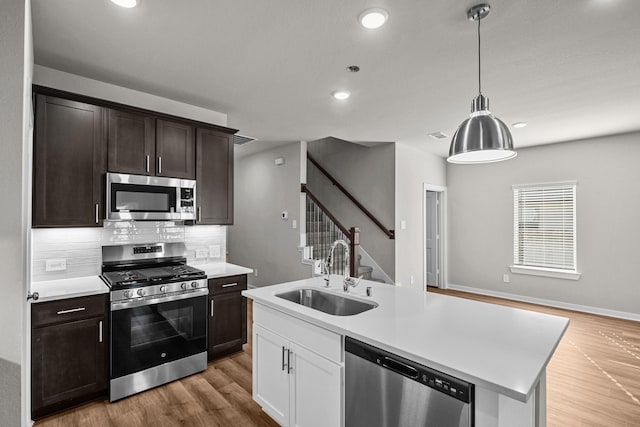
{"x":227,"y":316}
{"x":68,"y":353}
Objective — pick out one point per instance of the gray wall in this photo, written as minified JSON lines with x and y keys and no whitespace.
{"x":259,"y":238}
{"x":372,"y":184}
{"x":15,"y":69}
{"x":414,"y":168}
{"x":608,"y":205}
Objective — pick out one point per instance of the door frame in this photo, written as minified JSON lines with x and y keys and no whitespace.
{"x":442,"y":211}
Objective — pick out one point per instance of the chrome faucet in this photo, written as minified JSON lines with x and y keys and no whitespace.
{"x":347,"y":281}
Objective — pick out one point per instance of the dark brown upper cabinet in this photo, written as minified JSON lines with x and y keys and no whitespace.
{"x":69,"y":163}
{"x":214,"y":176}
{"x":175,"y":150}
{"x":131,"y":143}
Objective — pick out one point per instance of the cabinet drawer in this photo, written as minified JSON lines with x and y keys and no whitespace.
{"x":68,"y":310}
{"x":228,"y":284}
{"x":319,"y":340}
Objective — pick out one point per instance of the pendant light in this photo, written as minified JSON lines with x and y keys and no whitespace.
{"x":482,"y":138}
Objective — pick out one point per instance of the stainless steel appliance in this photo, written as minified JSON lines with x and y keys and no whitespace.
{"x":142,"y":197}
{"x":158,"y":316}
{"x":385,"y":390}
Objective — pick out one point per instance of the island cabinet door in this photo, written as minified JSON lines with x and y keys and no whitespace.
{"x":270,"y":374}
{"x":316,"y":390}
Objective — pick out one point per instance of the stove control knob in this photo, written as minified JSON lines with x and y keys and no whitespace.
{"x":163,"y":288}
{"x":184,"y":285}
{"x":194,"y":285}
{"x":128,"y":294}
{"x":140,"y":292}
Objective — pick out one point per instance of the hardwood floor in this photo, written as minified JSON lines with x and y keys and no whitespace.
{"x":592,"y":380}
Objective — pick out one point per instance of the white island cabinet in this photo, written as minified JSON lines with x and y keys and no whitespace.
{"x":298,"y":352}
{"x":297,"y":370}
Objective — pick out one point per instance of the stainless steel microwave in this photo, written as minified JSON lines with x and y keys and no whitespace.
{"x":142,"y":197}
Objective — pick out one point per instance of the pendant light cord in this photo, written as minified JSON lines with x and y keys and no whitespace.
{"x":479,"y":80}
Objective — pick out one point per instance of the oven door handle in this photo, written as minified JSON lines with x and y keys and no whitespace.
{"x":123,"y":305}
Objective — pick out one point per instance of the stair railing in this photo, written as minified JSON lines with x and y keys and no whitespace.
{"x":323,"y":229}
{"x":390,"y":233}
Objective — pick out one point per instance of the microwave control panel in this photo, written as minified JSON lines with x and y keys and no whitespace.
{"x":187,"y":200}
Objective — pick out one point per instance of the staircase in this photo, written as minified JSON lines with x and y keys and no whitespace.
{"x":321,"y":231}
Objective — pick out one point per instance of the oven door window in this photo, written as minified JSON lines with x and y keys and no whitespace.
{"x":147,"y":336}
{"x":142,"y":198}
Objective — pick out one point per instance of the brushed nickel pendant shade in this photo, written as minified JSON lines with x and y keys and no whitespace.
{"x":482,"y":138}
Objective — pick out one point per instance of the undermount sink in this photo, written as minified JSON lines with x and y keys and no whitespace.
{"x":327,"y":302}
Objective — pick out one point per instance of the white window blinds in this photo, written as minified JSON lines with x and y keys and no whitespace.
{"x":544,"y":225}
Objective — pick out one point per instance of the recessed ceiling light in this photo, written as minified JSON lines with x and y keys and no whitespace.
{"x":341,"y":94}
{"x":519,"y":125}
{"x":127,"y":3}
{"x":373,"y":18}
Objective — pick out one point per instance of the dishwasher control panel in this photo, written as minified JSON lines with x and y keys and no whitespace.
{"x":432,"y":378}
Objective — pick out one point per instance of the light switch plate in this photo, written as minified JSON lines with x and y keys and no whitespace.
{"x":56,"y":264}
{"x":201,"y":253}
{"x":403,"y":225}
{"x":214,"y":251}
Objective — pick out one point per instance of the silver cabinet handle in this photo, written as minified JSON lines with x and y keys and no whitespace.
{"x":289,"y":369}
{"x":97,"y":213}
{"x":228,"y":285}
{"x":211,"y":307}
{"x":159,"y":165}
{"x":199,"y":214}
{"x":147,"y":162}
{"x":72,"y":310}
{"x":100,"y":331}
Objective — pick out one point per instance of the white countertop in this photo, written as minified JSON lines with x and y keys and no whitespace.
{"x":223,"y":269}
{"x":52,"y":290}
{"x":495,"y":347}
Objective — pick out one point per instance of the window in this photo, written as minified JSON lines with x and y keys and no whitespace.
{"x":544,"y":230}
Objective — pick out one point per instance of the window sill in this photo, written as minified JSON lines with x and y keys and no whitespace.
{"x":545,"y":272}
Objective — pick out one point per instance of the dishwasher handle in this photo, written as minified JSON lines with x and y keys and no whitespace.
{"x":398,"y":367}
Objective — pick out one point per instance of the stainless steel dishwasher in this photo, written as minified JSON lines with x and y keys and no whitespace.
{"x":385,"y":390}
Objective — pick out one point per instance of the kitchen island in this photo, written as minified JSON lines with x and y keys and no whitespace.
{"x":503,"y":351}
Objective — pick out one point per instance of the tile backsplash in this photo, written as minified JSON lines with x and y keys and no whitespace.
{"x":82,"y":247}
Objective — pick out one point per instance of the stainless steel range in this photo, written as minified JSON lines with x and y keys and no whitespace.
{"x":158,"y":316}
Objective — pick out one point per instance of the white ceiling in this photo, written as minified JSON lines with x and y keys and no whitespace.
{"x":571,"y":69}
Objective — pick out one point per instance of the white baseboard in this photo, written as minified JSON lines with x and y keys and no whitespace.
{"x":550,"y":303}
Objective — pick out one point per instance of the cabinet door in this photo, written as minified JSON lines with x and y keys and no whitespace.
{"x":226,"y":326}
{"x":316,"y":390}
{"x":175,"y":150}
{"x":69,"y":163}
{"x":68,"y":365}
{"x":131,"y":143}
{"x":214,"y":158}
{"x":270,"y":377}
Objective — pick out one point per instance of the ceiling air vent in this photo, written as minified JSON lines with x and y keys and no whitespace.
{"x":241,"y":139}
{"x":438,"y":135}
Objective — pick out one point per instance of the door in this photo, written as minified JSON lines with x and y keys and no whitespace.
{"x":69,"y":164}
{"x":316,"y":390}
{"x":270,"y":377}
{"x":68,"y":364}
{"x":432,"y":238}
{"x":175,"y":150}
{"x":214,"y":154}
{"x":131,"y":143}
{"x":226,"y":326}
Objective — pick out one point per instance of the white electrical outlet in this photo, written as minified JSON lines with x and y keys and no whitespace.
{"x":255,"y":272}
{"x":411,"y":280}
{"x":403,"y":225}
{"x":214,"y":251}
{"x":201,"y":253}
{"x":56,"y":264}
{"x":294,"y":223}
{"x":505,"y":278}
